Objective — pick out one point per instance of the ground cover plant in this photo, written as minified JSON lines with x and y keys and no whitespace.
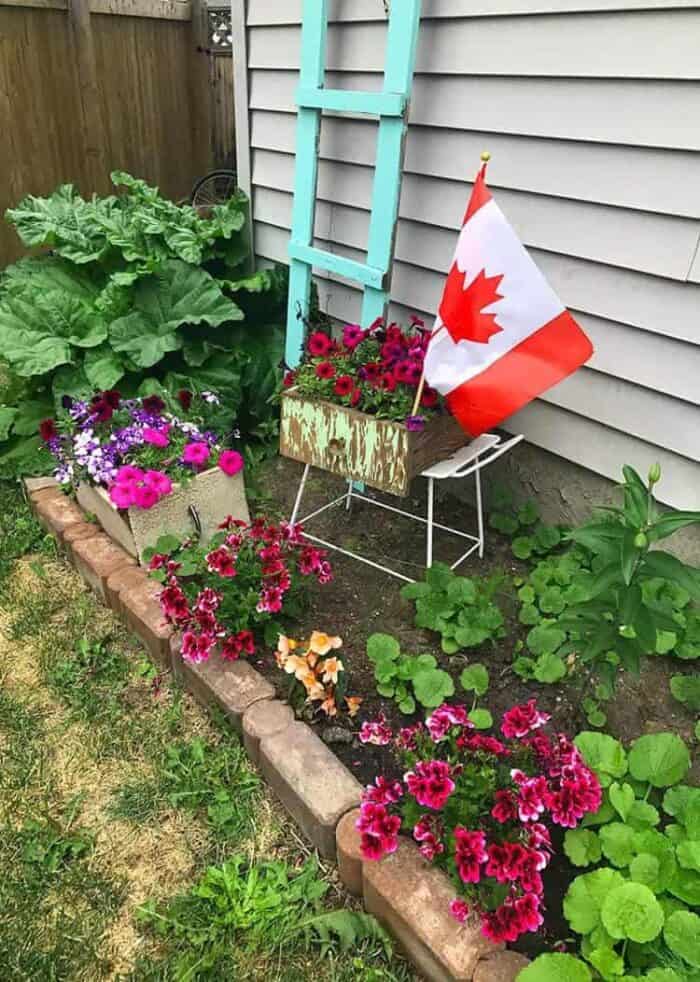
{"x":375,"y":370}
{"x":230,"y":593}
{"x":111,"y":785}
{"x":136,"y":289}
{"x":137,"y":448}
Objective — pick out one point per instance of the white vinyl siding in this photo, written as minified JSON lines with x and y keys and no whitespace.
{"x":591,"y":111}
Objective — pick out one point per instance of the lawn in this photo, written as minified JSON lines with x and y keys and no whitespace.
{"x":137,"y":842}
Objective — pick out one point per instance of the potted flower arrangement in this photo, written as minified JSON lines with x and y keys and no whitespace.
{"x":143,"y":468}
{"x":357,"y":407}
{"x":480,"y":807}
{"x":226,"y":596}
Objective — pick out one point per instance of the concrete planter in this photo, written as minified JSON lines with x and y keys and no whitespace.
{"x":380,"y":452}
{"x":212,"y":494}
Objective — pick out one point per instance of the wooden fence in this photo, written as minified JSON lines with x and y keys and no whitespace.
{"x":90,"y":86}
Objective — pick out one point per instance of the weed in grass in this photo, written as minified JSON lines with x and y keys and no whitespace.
{"x":214,"y":779}
{"x":239,"y":916}
{"x":20,"y":532}
{"x":89,"y":680}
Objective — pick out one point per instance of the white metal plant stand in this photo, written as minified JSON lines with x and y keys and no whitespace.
{"x":468,"y":460}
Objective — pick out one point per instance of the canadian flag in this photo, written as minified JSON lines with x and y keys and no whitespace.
{"x":502,"y":336}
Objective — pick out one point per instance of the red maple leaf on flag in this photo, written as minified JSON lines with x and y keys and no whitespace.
{"x":461,"y":310}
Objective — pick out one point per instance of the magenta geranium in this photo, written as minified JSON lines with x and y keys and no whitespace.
{"x":479,"y":807}
{"x":137,"y":449}
{"x":237,"y":584}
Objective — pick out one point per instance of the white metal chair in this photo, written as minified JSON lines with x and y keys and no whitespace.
{"x":468,"y":460}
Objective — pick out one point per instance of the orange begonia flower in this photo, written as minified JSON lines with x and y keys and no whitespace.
{"x":322,"y":643}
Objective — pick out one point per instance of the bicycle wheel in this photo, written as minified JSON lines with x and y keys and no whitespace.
{"x":214,"y":188}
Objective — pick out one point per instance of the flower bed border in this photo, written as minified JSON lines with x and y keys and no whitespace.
{"x":407,"y":895}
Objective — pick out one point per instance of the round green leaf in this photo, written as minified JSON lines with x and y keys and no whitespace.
{"x":662,"y":759}
{"x":682,"y":935}
{"x":523,"y":546}
{"x":481,"y":718}
{"x":621,"y":798}
{"x":607,"y":961}
{"x":652,"y":843}
{"x":686,"y":689}
{"x":632,"y":911}
{"x":526,"y":594}
{"x":617,"y":842}
{"x":685,"y":885}
{"x":605,"y":755}
{"x":643,"y":815}
{"x":688,"y":854}
{"x":545,"y":638}
{"x":475,"y":678}
{"x":582,"y":847}
{"x":585,"y":896}
{"x":555,"y":968}
{"x":645,"y":869}
{"x":549,"y":668}
{"x":432,"y":686}
{"x":662,"y":975}
{"x":529,"y":615}
{"x":382,"y":647}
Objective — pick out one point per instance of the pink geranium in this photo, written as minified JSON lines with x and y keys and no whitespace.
{"x":470,"y":854}
{"x":521,"y":720}
{"x":430,"y":782}
{"x":230,"y":462}
{"x":376,"y":731}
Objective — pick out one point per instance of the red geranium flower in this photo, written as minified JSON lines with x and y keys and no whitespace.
{"x":343,"y":385}
{"x":325,"y":369}
{"x":319,"y":344}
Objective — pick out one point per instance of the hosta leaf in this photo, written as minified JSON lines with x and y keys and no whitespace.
{"x":585,"y":896}
{"x":556,"y":968}
{"x":582,"y":847}
{"x":632,"y":911}
{"x":662,"y":759}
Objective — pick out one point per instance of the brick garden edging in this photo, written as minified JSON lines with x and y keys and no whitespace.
{"x":407,"y":895}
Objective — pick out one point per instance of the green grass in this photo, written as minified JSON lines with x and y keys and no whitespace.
{"x":79,"y":700}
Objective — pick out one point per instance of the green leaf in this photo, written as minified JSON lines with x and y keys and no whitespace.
{"x":462,"y":590}
{"x":385,"y":690}
{"x":475,"y":678}
{"x":642,"y":815}
{"x":685,"y":688}
{"x":661,"y":759}
{"x":411,"y":591}
{"x":584,"y":898}
{"x":607,"y":961}
{"x":621,"y":798}
{"x":506,"y":524}
{"x":685,"y":885}
{"x":660,"y":563}
{"x":555,"y":968}
{"x":523,"y":546}
{"x":7,"y":418}
{"x":688,"y":854}
{"x":481,"y":718}
{"x":407,"y":705}
{"x":617,"y":843}
{"x":682,"y":935}
{"x":545,"y":638}
{"x":683,"y":803}
{"x":526,"y":594}
{"x":552,"y":600}
{"x":103,"y":367}
{"x":582,"y":847}
{"x":654,"y":843}
{"x":178,"y":294}
{"x":632,"y":911}
{"x":529,"y":615}
{"x":549,"y":668}
{"x":524,"y":667}
{"x":382,"y":647}
{"x":645,"y":869}
{"x":432,"y":686}
{"x":605,"y":755}
{"x":672,"y":522}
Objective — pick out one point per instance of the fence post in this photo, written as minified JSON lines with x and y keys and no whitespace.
{"x":93,"y":123}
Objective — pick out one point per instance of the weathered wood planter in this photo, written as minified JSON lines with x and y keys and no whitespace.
{"x":379,"y":452}
{"x":213,"y":495}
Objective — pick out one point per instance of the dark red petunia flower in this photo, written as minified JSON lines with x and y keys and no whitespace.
{"x":343,"y":385}
{"x":184,"y":397}
{"x":47,"y":430}
{"x":153,"y":405}
{"x":325,"y":369}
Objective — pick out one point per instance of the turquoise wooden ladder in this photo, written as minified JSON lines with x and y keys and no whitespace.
{"x":391,"y":107}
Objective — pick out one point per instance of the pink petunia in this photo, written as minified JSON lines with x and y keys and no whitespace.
{"x":128,"y":473}
{"x":196,"y":454}
{"x":157,"y":438}
{"x":145,"y":497}
{"x":159,"y":481}
{"x":231,"y":462}
{"x":122,"y":494}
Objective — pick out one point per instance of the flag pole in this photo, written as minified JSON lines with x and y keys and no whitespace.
{"x":485,"y":157}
